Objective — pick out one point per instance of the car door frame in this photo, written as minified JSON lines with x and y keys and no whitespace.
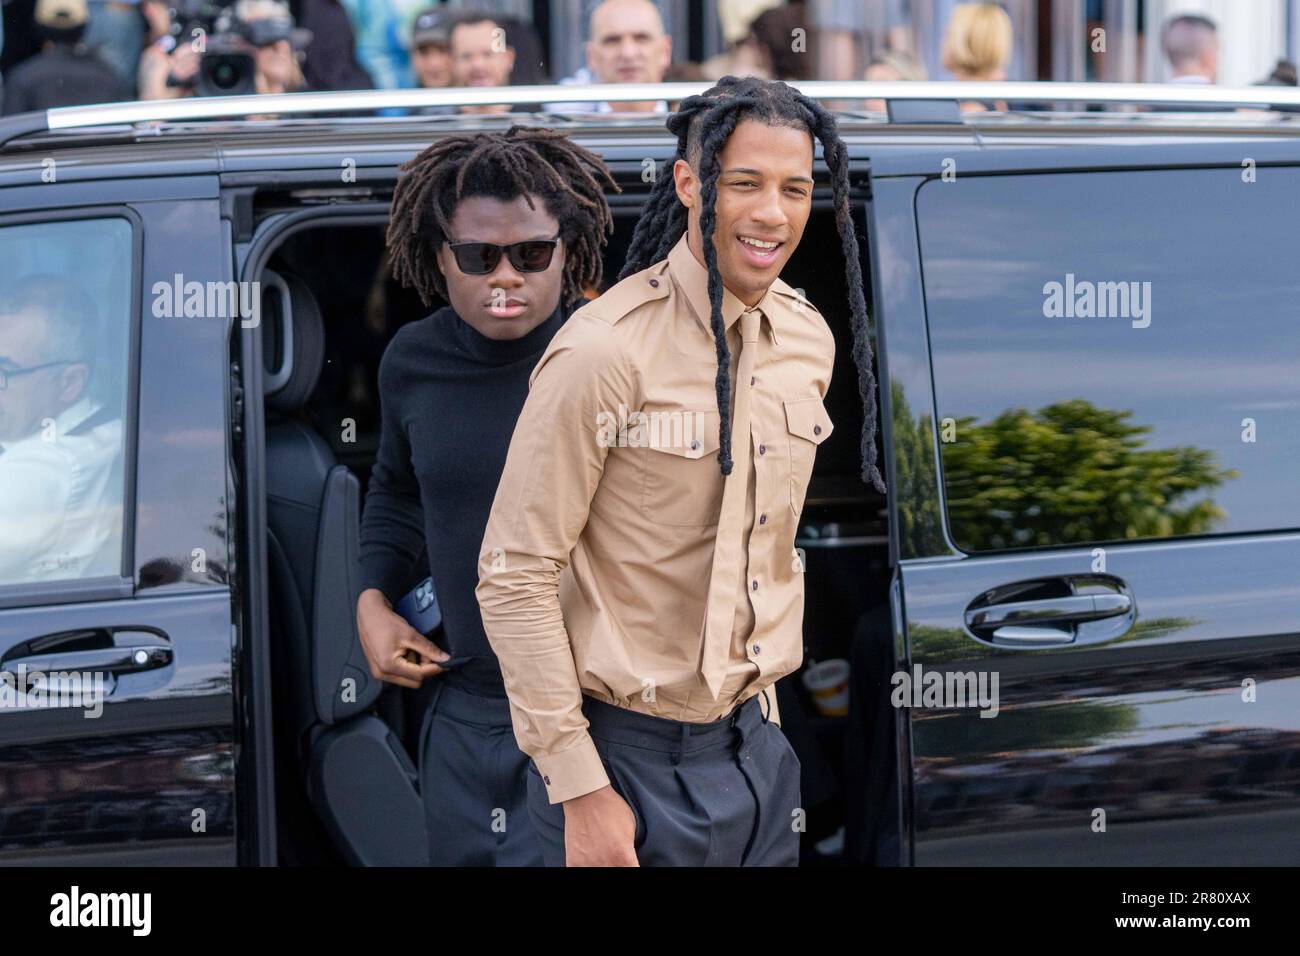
{"x":173,"y":730}
{"x":925,"y":547}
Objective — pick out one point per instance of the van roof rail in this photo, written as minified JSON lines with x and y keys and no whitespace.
{"x":896,"y":93}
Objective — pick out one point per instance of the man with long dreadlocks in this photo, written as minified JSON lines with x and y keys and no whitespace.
{"x":638,"y":680}
{"x":507,"y":228}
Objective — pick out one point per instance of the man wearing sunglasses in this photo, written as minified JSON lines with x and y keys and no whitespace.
{"x":508,"y":229}
{"x":59,"y":503}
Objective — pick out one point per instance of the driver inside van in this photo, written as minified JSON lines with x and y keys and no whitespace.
{"x":60,"y":492}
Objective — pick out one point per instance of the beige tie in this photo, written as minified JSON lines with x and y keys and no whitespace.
{"x":728,"y":549}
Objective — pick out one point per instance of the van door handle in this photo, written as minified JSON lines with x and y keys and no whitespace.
{"x":123,"y":657}
{"x":110,"y":660}
{"x":1051,"y":620}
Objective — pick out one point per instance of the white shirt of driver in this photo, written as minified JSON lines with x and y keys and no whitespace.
{"x":61,"y":500}
{"x":583,"y":77}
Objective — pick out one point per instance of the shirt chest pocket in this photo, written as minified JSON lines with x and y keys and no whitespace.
{"x":808,"y":426}
{"x":681,"y":484}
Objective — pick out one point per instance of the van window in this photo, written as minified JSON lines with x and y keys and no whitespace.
{"x":1115,"y":354}
{"x":65,"y":320}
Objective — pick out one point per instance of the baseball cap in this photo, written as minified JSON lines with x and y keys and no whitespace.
{"x":61,"y":14}
{"x":431,"y":26}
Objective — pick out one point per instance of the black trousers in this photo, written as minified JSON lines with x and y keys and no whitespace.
{"x":473,"y":780}
{"x":722,"y":793}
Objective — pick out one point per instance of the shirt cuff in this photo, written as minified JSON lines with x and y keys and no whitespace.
{"x":573,"y":772}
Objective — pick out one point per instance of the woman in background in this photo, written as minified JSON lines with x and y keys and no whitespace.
{"x":977,"y":46}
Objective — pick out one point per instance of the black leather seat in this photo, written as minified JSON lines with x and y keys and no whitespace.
{"x":358,"y":778}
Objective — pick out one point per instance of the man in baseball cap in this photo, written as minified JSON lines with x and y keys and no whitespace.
{"x":63,"y":73}
{"x":61,"y":14}
{"x":431,"y":48}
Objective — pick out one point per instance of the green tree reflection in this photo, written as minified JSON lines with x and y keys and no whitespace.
{"x":1072,"y":472}
{"x":914,"y":478}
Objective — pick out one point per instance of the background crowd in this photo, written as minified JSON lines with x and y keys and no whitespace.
{"x":72,"y":52}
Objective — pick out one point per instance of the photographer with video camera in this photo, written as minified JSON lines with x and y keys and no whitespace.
{"x":208,"y":49}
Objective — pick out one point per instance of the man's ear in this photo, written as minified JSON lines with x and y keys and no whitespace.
{"x":686,"y":183}
{"x":445,"y":260}
{"x":72,"y":383}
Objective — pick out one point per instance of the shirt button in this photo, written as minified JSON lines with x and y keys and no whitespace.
{"x":755,"y":585}
{"x":817,"y":429}
{"x":762,"y":519}
{"x":695,"y":445}
{"x":762,"y":449}
{"x":757,"y":649}
{"x":753,"y":379}
{"x":654,"y":283}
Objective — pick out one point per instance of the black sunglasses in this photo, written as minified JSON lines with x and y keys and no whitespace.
{"x":481,"y":258}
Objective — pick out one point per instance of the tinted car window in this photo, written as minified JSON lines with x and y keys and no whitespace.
{"x":1115,"y":354}
{"x":65,"y":294}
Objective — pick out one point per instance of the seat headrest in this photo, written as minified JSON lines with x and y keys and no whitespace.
{"x":293,"y":341}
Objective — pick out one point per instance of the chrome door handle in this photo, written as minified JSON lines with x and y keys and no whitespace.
{"x":998,"y":616}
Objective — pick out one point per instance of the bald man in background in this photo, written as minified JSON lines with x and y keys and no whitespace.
{"x":1191,"y":45}
{"x":627,"y":45}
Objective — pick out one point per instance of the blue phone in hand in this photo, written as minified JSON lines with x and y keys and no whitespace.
{"x":420,"y":608}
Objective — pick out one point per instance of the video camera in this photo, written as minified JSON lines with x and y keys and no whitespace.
{"x":226,"y":65}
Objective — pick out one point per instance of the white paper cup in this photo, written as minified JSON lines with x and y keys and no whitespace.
{"x":828,"y":682}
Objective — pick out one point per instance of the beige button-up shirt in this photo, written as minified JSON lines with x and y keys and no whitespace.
{"x":596,"y":561}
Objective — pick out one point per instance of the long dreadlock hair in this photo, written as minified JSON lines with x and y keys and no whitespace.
{"x":522,"y":161}
{"x":702,"y":125}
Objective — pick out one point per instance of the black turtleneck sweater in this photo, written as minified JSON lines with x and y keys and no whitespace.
{"x":450,"y":398}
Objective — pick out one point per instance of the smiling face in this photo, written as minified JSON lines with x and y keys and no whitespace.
{"x":506,"y":303}
{"x":763,"y":202}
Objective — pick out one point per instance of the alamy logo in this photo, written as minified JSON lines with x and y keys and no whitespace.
{"x":179,"y":299}
{"x":102,"y":909}
{"x":946,"y":689}
{"x":676,"y":429}
{"x":1084,"y":299}
{"x":21,"y":689}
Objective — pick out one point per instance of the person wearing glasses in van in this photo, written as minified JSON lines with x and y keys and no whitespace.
{"x":60,"y":492}
{"x":508,"y":229}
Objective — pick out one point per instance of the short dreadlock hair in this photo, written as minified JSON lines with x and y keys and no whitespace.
{"x":522,"y":161}
{"x":702,"y":125}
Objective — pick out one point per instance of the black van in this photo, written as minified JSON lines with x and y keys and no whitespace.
{"x":1072,"y":628}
